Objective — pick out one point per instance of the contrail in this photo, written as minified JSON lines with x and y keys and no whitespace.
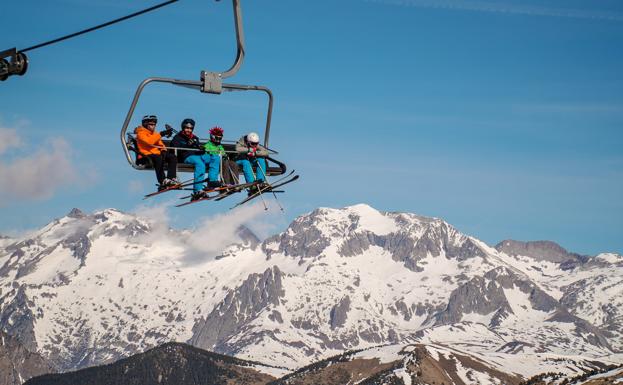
{"x":495,"y":7}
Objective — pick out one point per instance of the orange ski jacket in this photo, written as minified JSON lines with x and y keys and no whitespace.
{"x":148,"y":141}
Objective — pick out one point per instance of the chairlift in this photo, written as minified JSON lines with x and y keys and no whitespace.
{"x":210,"y":83}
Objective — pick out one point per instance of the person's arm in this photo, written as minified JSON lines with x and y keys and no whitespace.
{"x":241,"y":148}
{"x":261,"y":151}
{"x":176,"y":142}
{"x":145,"y":138}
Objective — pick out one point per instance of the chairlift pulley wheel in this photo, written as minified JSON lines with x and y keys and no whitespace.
{"x":21,"y":63}
{"x":4,"y":69}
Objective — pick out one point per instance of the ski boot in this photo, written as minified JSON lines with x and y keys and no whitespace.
{"x":196,"y":195}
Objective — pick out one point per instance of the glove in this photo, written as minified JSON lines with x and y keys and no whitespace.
{"x":251,"y":152}
{"x":168,"y":132}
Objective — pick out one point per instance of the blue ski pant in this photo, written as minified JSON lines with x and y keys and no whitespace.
{"x":200,"y":161}
{"x":247,"y":169}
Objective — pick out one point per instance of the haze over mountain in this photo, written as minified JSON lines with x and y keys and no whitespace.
{"x":89,"y":289}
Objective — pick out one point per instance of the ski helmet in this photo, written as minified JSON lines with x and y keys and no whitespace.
{"x":188,"y":123}
{"x":216,"y":134}
{"x":149,"y":118}
{"x":253,"y":138}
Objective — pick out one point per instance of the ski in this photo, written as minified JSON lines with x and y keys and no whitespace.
{"x":223,"y":189}
{"x":178,"y":186}
{"x":226,"y":194}
{"x":266,"y":190}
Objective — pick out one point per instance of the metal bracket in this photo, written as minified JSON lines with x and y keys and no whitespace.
{"x":211,"y":82}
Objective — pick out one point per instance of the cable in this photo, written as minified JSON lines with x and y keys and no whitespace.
{"x":100,"y":26}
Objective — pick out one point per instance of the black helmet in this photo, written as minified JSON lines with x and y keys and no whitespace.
{"x":188,"y":122}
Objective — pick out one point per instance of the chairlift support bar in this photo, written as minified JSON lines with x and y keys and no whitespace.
{"x":196,"y":85}
{"x":210,"y":82}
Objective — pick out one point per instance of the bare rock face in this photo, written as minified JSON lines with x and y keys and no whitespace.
{"x":302,"y":239}
{"x":239,"y":307}
{"x":16,"y":318}
{"x":18,"y":364}
{"x":339,"y":313}
{"x":541,"y":250}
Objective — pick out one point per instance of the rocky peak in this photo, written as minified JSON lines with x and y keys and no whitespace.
{"x":240,"y":306}
{"x":76,"y":213}
{"x":354,"y":229}
{"x":540,"y":250}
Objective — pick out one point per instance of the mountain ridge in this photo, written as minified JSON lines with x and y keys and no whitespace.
{"x":334,"y":280}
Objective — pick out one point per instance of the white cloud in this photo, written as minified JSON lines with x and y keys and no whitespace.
{"x":505,"y":7}
{"x":215,"y":233}
{"x":39,"y":174}
{"x":8,"y":138}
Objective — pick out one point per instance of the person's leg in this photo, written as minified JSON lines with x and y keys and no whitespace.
{"x":156,"y":160}
{"x":200,"y":170}
{"x":171,"y":164}
{"x":260,"y":164}
{"x":214,"y":168}
{"x":247,"y":170}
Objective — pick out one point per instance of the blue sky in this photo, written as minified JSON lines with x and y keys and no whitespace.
{"x":504,"y":118}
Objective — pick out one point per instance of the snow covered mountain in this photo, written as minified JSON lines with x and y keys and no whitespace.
{"x":90,"y":289}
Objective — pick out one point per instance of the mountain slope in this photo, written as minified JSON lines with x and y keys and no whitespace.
{"x":172,"y":363}
{"x":90,"y":289}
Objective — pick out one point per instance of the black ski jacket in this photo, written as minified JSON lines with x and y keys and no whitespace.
{"x":182,"y":141}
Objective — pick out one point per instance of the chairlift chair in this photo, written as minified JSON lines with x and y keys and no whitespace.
{"x":211,"y":83}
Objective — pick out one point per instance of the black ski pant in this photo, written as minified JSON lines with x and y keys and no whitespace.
{"x":158,"y":162}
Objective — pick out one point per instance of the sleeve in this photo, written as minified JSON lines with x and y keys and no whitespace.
{"x":240,"y":147}
{"x":262,"y":151}
{"x":147,"y":139}
{"x":159,"y":142}
{"x":176,"y":142}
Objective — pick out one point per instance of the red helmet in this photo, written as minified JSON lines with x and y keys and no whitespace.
{"x":216,"y":131}
{"x":216,"y":134}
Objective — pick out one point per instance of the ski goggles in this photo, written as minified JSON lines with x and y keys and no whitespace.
{"x":150,"y":118}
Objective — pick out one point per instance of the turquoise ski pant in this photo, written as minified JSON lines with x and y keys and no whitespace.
{"x":247,"y":169}
{"x":200,"y":161}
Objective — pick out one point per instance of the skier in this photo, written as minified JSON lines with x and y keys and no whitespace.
{"x":149,"y":143}
{"x":214,"y":153}
{"x":250,"y":155}
{"x":195,"y":155}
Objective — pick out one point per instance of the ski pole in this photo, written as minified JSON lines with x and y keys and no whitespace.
{"x":259,"y":188}
{"x":271,"y":190}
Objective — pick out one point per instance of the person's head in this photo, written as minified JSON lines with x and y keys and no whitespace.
{"x":149,"y":121}
{"x":216,"y":135}
{"x":253,"y":139}
{"x":188,"y":125}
